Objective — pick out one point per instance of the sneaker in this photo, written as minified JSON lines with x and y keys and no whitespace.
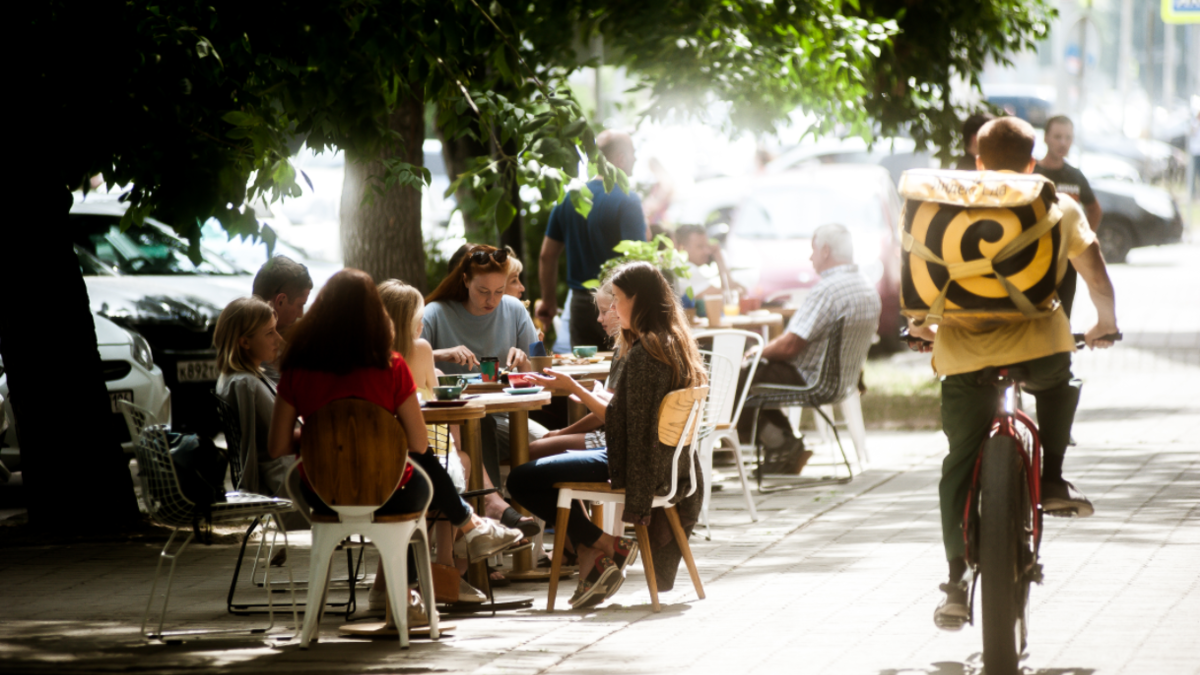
{"x":417,"y":617}
{"x":592,"y":588}
{"x":1060,"y":498}
{"x":952,"y":612}
{"x":486,"y":540}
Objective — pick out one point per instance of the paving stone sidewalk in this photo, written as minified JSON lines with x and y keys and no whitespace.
{"x":839,"y":579}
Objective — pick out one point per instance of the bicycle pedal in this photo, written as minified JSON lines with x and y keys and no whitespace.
{"x":1035,"y":574}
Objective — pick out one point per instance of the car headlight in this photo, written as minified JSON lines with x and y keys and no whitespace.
{"x":141,"y":352}
{"x":1156,"y":202}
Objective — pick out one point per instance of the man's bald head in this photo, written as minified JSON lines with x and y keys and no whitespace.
{"x":1006,"y":143}
{"x":617,"y":147}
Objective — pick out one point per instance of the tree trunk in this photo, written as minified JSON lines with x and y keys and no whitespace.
{"x":76,"y":476}
{"x":383,"y":238}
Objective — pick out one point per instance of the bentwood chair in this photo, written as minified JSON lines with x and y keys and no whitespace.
{"x":354,"y":454}
{"x":679,"y":418}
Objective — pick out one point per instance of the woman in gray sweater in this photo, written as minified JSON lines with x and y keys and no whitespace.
{"x":658,"y":355}
{"x":245,"y":338}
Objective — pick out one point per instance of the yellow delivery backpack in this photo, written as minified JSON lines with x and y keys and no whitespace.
{"x":980,"y":248}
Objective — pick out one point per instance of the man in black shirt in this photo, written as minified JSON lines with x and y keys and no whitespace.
{"x":970,"y":131}
{"x":1060,"y":134}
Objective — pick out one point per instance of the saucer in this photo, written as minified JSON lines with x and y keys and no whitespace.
{"x":445,"y":404}
{"x":522,"y":391}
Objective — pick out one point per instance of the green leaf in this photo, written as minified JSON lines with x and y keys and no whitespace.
{"x":591,"y":284}
{"x":238,"y":118}
{"x":505,"y":213}
{"x":490,"y":200}
{"x":582,"y":200}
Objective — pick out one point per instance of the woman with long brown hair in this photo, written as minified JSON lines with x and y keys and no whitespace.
{"x":342,"y":348}
{"x":657,"y":356}
{"x":469,"y":317}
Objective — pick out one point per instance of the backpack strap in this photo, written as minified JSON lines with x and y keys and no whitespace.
{"x":984,"y":266}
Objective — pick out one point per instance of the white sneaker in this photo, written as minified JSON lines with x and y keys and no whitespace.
{"x":485,"y":540}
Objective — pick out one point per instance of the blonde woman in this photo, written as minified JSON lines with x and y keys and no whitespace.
{"x":245,"y":339}
{"x":406,"y":308}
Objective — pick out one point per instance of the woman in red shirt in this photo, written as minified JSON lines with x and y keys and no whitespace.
{"x":342,"y":349}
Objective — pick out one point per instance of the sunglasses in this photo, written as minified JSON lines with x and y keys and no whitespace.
{"x":500,"y":255}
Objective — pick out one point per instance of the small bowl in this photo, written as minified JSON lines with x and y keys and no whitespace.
{"x":584,"y":352}
{"x":447,"y":393}
{"x":451,"y":380}
{"x":520,"y":380}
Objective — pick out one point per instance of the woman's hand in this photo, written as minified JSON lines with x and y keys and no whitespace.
{"x":554,"y":379}
{"x":460,"y":355}
{"x":517,"y":359}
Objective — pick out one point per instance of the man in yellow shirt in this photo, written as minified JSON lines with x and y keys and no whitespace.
{"x":1041,"y":346}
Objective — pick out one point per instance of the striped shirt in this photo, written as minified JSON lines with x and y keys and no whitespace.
{"x":843,"y":291}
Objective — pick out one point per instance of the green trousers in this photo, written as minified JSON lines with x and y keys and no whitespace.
{"x":969,"y":403}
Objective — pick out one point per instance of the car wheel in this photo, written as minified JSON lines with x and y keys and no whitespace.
{"x":1116,"y":238}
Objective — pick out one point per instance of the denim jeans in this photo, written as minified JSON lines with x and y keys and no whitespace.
{"x":532,"y":486}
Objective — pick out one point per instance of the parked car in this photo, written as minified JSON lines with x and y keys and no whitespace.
{"x":897,"y":155}
{"x":143,"y":280}
{"x":768,"y":234}
{"x":1135,"y":215}
{"x":130,"y":374}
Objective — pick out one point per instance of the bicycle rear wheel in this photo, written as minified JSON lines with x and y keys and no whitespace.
{"x":1002,"y":554}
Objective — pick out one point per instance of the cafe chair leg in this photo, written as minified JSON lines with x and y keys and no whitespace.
{"x":682,"y":540}
{"x":643,"y":537}
{"x":560,"y":542}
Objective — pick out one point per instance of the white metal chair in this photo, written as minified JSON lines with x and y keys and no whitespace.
{"x":168,"y":506}
{"x":679,"y":418}
{"x":354,"y":453}
{"x":731,"y":344}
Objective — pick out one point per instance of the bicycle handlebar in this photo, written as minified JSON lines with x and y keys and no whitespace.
{"x":1111,"y":337}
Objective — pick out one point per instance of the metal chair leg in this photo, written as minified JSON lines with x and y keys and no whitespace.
{"x":170,"y":579}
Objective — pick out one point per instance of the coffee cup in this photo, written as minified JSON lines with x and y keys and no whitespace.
{"x":541,"y":363}
{"x":447,"y":393}
{"x":583,"y":352}
{"x":452,"y":380}
{"x":490,"y":367}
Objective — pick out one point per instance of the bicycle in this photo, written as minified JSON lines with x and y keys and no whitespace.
{"x":1002,"y":521}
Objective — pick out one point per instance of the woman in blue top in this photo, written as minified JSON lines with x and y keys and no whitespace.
{"x":468,"y":317}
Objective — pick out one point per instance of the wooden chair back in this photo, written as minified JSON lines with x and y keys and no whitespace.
{"x":674,"y":411}
{"x":354,"y":453}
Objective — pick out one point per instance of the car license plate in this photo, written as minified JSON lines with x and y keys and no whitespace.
{"x":123,"y":395}
{"x":196,"y":371}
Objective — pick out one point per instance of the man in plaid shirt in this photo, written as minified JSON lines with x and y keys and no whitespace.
{"x":795,"y":357}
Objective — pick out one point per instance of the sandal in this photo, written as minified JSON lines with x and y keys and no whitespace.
{"x":500,"y":581}
{"x":517,"y":520}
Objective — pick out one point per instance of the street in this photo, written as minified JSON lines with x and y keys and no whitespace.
{"x":831,"y":580}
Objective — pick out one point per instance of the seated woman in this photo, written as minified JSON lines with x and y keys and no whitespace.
{"x":659,"y":356}
{"x":245,"y":338}
{"x":469,"y":317}
{"x":342,"y":349}
{"x":406,"y":308}
{"x":588,"y":432}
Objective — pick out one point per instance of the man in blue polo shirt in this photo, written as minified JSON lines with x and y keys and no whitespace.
{"x":589,"y":242}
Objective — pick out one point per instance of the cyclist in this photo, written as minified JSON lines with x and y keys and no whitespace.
{"x":1041,"y":346}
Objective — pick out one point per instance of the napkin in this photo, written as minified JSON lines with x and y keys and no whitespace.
{"x":537,"y":349}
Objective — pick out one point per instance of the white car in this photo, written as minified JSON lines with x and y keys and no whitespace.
{"x":130,"y":375}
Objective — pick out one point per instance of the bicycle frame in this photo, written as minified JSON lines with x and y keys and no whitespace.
{"x":1008,"y":421}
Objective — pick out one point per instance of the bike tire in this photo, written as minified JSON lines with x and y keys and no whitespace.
{"x":1003,"y":585}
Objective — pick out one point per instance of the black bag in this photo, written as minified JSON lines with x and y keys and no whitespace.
{"x":200,"y":466}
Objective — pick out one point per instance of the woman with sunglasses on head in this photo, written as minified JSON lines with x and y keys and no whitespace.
{"x":659,"y":356}
{"x":342,"y":348}
{"x":469,"y":316}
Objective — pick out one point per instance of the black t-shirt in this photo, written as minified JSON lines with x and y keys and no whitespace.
{"x":966,"y":163}
{"x":1069,"y":181}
